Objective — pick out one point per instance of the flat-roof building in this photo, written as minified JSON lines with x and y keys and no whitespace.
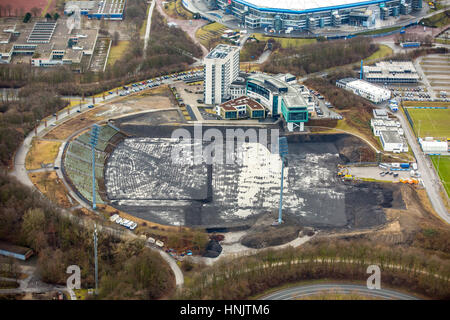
{"x":391,"y":72}
{"x":103,"y":9}
{"x":393,"y":142}
{"x":242,"y":107}
{"x":17,"y":252}
{"x":221,"y":68}
{"x":50,"y":44}
{"x":365,"y":89}
{"x":279,"y":97}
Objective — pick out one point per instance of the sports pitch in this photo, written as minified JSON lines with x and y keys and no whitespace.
{"x":443,"y":162}
{"x":431,"y":122}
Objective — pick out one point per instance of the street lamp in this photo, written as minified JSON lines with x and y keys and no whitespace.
{"x":283,"y":151}
{"x":93,"y":142}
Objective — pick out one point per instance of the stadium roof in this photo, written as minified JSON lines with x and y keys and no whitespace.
{"x":305,"y":5}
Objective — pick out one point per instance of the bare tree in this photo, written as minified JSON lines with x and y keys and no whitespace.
{"x":35,"y":11}
{"x":8,"y":8}
{"x":115,"y":39}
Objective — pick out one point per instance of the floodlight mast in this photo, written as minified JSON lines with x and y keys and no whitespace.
{"x":283,"y":150}
{"x":93,"y":142}
{"x":96,"y":259}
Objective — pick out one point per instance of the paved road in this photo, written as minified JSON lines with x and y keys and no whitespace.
{"x":311,"y":290}
{"x":21,"y":174}
{"x":428,"y":174}
{"x":148,"y":26}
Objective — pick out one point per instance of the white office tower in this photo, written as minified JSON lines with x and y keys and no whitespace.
{"x":221,"y":68}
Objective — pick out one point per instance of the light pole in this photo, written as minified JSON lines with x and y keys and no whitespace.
{"x":93,"y":142}
{"x":283,"y":151}
{"x":96,"y":259}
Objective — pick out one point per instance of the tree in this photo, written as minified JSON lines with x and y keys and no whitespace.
{"x":48,"y":16}
{"x":35,"y":11}
{"x":55,"y":16}
{"x":33,"y":223}
{"x":27,"y":17}
{"x":8,"y":8}
{"x":115,"y":39}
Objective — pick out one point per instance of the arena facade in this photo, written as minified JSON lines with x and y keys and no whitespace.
{"x":312,"y":14}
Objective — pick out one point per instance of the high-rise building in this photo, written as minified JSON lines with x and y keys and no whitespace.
{"x":221,"y":68}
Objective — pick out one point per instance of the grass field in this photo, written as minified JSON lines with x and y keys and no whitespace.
{"x":117,"y":51}
{"x":438,"y":20}
{"x":443,"y":163}
{"x":431,"y":122}
{"x":382,"y":52}
{"x":41,"y":153}
{"x":285,"y":42}
{"x":52,"y":187}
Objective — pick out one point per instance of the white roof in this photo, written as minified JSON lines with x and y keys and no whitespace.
{"x":300,"y":5}
{"x":368,"y":87}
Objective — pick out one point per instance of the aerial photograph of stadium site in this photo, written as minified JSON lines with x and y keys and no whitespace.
{"x":224,"y":150}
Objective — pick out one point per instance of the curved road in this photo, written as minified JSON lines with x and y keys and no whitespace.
{"x":311,"y":290}
{"x":19,"y":171}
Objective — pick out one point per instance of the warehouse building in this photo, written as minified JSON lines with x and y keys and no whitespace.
{"x":391,"y":72}
{"x":364,"y":89}
{"x":221,"y":68}
{"x":309,"y":15}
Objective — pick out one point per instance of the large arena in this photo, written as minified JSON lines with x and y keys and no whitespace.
{"x":311,"y":14}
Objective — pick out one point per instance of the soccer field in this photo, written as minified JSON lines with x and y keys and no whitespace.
{"x":431,"y":122}
{"x":442,"y":165}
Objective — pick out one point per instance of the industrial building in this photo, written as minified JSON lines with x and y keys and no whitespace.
{"x":50,"y":44}
{"x":221,"y":68}
{"x":391,"y":72}
{"x":309,"y":15}
{"x":242,"y":107}
{"x":364,"y":89}
{"x":103,"y":9}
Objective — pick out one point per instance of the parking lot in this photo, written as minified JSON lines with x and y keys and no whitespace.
{"x":323,"y":108}
{"x":375,"y":173}
{"x":412,"y":93}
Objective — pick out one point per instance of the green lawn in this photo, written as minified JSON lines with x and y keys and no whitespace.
{"x":286,"y":42}
{"x":382,"y":52}
{"x":431,"y":122}
{"x":443,"y":162}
